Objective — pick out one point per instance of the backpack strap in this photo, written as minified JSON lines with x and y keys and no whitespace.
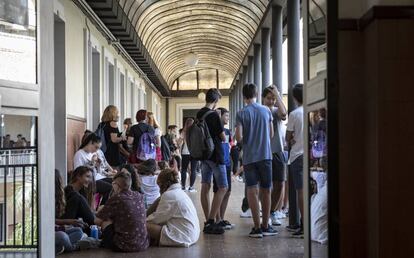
{"x":206,"y":114}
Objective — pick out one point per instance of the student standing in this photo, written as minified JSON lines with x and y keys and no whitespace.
{"x":214,"y":165}
{"x":135,"y":133}
{"x":186,"y":158}
{"x":113,"y":137}
{"x":226,"y":145}
{"x":254,"y":128}
{"x":271,"y":99}
{"x":294,"y":139}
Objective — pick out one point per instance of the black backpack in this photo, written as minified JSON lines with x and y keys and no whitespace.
{"x":199,"y":141}
{"x":165,"y":149}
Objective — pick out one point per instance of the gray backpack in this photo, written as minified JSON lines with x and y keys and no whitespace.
{"x":199,"y":141}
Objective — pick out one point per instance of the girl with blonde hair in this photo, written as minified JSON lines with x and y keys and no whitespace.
{"x":113,"y":138}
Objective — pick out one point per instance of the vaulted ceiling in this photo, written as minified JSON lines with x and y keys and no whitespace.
{"x":217,"y":31}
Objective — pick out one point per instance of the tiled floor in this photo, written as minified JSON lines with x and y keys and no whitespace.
{"x":234,"y":243}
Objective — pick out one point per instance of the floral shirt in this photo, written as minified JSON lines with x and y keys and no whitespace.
{"x":127,"y":211}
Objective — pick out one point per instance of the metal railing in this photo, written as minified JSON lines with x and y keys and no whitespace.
{"x":18,"y":198}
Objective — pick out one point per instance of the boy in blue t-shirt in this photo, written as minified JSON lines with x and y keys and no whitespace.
{"x":254,"y":129}
{"x":226,"y":145}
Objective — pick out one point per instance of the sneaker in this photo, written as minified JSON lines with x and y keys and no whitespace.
{"x":292,"y":228}
{"x":274,"y":219}
{"x":191,"y":189}
{"x":228,"y":225}
{"x":298,"y":233}
{"x":213,"y":228}
{"x":280,"y":215}
{"x":256,"y":233}
{"x":61,"y":251}
{"x":239,"y":178}
{"x":89,"y":243}
{"x":269,"y":231}
{"x":246,"y":214}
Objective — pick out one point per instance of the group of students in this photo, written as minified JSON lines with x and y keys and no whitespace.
{"x":135,"y":201}
{"x":259,"y":138}
{"x":128,"y":183}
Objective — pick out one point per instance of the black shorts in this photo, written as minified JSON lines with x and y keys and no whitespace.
{"x":278,"y":167}
{"x":228,"y":171}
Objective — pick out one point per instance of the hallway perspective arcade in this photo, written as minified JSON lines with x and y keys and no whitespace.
{"x":105,"y":105}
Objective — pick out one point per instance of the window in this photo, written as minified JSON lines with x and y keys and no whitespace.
{"x":18,"y":169}
{"x":188,"y":81}
{"x":225,"y":80}
{"x":18,"y":40}
{"x":207,"y":79}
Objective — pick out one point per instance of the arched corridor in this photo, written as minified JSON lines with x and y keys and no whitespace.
{"x":117,"y":115}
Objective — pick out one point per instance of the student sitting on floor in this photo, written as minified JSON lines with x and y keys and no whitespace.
{"x":147,"y":172}
{"x":68,"y":232}
{"x":123,"y":218}
{"x":174,"y":221}
{"x":87,"y":156}
{"x":77,"y":205}
{"x":135,"y":181}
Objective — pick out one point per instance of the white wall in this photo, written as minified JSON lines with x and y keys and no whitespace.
{"x":176,"y":105}
{"x":77,"y":36}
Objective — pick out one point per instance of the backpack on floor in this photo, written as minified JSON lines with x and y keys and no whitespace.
{"x":199,"y":141}
{"x":146,"y":148}
{"x":101,"y":133}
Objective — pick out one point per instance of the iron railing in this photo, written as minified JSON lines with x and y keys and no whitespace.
{"x":18,"y":198}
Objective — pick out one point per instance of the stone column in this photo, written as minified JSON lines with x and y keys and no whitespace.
{"x":257,"y":69}
{"x":265,"y":56}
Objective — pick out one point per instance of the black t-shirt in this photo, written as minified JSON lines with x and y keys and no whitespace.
{"x":77,"y":206}
{"x":215,"y":128}
{"x":136,"y":131}
{"x":112,"y":153}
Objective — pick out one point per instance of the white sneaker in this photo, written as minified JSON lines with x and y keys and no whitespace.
{"x":280,"y":215}
{"x":239,"y":178}
{"x":274,"y":220}
{"x":246,"y":214}
{"x":192,"y":190}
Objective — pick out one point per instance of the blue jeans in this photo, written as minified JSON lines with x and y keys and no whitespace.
{"x":68,"y":239}
{"x":208,"y":168}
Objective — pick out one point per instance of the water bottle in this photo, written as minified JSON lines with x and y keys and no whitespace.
{"x":94,"y":231}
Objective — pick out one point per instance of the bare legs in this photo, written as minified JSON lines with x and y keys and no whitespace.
{"x":223,"y":207}
{"x":205,"y":199}
{"x":154,"y":231}
{"x":253,"y":199}
{"x":277,"y":195}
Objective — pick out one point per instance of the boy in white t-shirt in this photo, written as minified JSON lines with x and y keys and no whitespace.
{"x":294,"y":140}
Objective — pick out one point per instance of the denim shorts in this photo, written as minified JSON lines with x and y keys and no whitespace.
{"x":208,"y":168}
{"x":215,"y":188}
{"x":260,"y":171}
{"x":296,"y":172}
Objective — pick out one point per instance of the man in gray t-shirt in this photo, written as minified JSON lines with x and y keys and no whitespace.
{"x":254,"y":129}
{"x":271,"y":98}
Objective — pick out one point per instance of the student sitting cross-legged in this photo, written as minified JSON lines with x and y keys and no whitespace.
{"x":122,"y":219}
{"x":174,"y":221}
